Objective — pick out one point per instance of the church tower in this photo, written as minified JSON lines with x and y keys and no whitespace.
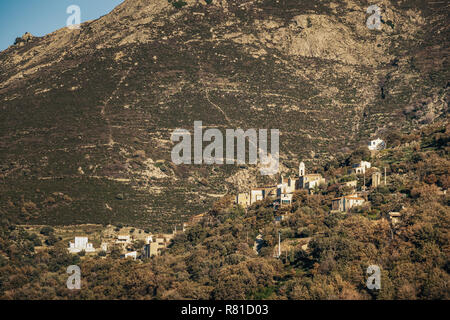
{"x":301,"y":169}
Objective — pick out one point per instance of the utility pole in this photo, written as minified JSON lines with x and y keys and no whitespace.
{"x":279,"y":244}
{"x":384,"y":175}
{"x":364,"y":179}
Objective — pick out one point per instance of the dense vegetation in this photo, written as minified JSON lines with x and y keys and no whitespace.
{"x":215,"y":259}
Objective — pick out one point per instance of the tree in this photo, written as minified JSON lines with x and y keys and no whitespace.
{"x":51,"y":240}
{"x":46,"y":231}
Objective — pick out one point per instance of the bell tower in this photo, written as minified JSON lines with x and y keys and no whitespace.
{"x":301,"y":169}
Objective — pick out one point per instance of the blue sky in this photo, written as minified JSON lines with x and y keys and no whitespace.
{"x":40,"y":17}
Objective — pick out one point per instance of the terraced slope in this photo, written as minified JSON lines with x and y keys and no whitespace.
{"x":86,"y":115}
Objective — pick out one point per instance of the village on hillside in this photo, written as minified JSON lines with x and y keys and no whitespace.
{"x":145,"y":245}
{"x":134,"y":246}
{"x":282,"y":193}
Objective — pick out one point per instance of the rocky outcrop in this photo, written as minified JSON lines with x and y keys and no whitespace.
{"x":27,"y":37}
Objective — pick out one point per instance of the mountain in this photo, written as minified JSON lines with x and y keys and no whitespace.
{"x":87,"y":115}
{"x":312,"y":253}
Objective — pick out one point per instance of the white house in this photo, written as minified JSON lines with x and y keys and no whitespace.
{"x":376,"y":144}
{"x":80,"y":244}
{"x":256,"y":195}
{"x":286,"y":198}
{"x":360,"y":168}
{"x":123,"y":239}
{"x":132,"y":255}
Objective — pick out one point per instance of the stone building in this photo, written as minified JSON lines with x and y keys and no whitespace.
{"x":376,"y":179}
{"x":345,"y":203}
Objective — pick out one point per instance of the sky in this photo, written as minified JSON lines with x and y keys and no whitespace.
{"x":40,"y":17}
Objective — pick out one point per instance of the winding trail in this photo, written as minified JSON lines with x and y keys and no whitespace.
{"x":217,"y":107}
{"x":103,"y":111}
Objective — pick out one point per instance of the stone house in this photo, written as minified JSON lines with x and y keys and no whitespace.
{"x":376,"y":179}
{"x":345,"y":203}
{"x":395,"y":217}
{"x":243,"y":199}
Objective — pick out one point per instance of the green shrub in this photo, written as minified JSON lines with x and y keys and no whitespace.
{"x":46,"y":231}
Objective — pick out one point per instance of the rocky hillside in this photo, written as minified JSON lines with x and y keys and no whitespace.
{"x":86,"y":115}
{"x":232,"y":253}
